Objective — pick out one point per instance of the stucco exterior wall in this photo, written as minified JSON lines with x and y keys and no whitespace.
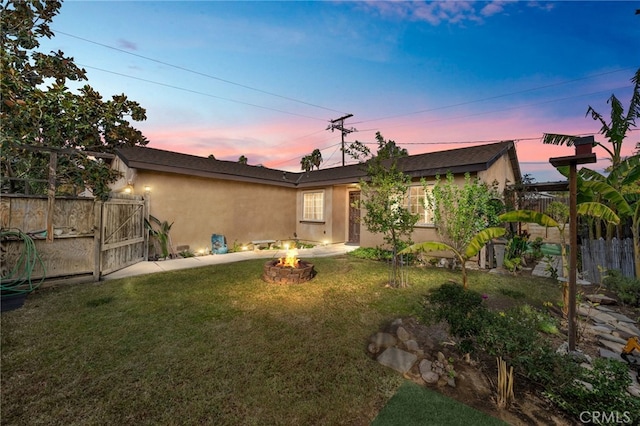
{"x":500,"y":172}
{"x":199,"y":207}
{"x":315,"y":231}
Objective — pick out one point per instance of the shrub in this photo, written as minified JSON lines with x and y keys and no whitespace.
{"x":515,"y":336}
{"x":627,"y":289}
{"x":603,"y":389}
{"x":371,"y":253}
{"x":461,"y":309}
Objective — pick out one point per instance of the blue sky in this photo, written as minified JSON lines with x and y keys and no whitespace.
{"x":263,"y":79}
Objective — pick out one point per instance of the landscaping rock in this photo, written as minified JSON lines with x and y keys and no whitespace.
{"x":613,"y":346}
{"x":603,"y":317}
{"x":412,"y":345}
{"x":622,"y":318}
{"x":403,"y":334}
{"x":397,"y":359}
{"x":606,"y":353}
{"x":425,"y":366}
{"x":602,"y":328}
{"x":612,"y":338}
{"x":601,"y":299}
{"x":383,"y":340}
{"x":430,"y":377}
{"x":628,"y":328}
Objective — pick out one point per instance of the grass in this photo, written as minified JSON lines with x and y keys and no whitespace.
{"x":216,"y":345}
{"x":417,"y":405}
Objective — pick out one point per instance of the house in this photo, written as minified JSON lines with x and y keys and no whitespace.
{"x":203,"y":196}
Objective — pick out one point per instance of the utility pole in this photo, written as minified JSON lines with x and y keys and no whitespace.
{"x":338,"y":123}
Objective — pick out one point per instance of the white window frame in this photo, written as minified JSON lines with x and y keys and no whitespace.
{"x":313,"y":206}
{"x":417,"y":203}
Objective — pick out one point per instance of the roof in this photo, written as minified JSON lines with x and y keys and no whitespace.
{"x":462,"y":160}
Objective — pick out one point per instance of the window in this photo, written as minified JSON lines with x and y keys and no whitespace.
{"x":313,"y":206}
{"x":417,"y":204}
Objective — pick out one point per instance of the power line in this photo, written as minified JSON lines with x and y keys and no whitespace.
{"x":179,"y":67}
{"x":511,"y":108}
{"x":199,"y":93}
{"x":496,"y":96}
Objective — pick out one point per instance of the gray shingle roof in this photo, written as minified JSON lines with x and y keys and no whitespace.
{"x":460,"y":160}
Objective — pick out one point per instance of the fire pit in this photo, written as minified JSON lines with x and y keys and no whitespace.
{"x":288,"y":270}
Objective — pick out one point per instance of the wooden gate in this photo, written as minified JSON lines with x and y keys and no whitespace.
{"x":123,"y":235}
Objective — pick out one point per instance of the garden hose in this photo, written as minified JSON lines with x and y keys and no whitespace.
{"x":19,"y":279}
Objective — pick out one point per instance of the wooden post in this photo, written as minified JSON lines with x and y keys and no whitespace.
{"x":572,"y":162}
{"x":51,"y":193}
{"x":573,"y":252}
{"x":97,"y":240}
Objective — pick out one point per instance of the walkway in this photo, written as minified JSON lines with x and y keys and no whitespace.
{"x":143,"y":268}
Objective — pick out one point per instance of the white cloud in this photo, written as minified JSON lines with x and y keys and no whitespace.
{"x":445,"y":11}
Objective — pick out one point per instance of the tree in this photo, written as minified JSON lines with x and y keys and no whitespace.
{"x":462,"y":214}
{"x":308,"y":162}
{"x":463,"y":254}
{"x":242,"y":160}
{"x":40,"y":115}
{"x":557,"y":216}
{"x":616,"y":130}
{"x":384,"y":193}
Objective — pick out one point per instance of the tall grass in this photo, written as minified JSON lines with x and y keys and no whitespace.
{"x":214,"y":345}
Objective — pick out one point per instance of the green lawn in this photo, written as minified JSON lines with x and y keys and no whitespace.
{"x":215,"y":345}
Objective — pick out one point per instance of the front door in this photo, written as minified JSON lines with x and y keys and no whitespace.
{"x":354,"y":217}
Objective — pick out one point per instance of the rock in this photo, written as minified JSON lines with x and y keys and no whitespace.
{"x":622,"y":318}
{"x":563,"y":349}
{"x":424,"y":366}
{"x":397,"y":359}
{"x":412,"y":345}
{"x":628,"y":328}
{"x":613,"y":346}
{"x":606,"y":353}
{"x":612,"y":338}
{"x":622,"y":334}
{"x":634,"y":390}
{"x":373,"y":348}
{"x":383,"y":340}
{"x":601,"y":299}
{"x":451,"y":381}
{"x":580,"y":357}
{"x":603,"y":328}
{"x":403,"y":334}
{"x":603,"y":317}
{"x":587,"y":386}
{"x":430,"y":377}
{"x":442,"y":358}
{"x":397,"y":321}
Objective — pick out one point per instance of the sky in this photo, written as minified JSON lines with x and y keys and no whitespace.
{"x":264,"y":79}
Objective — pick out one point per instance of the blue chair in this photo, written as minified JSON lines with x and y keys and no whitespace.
{"x":218,"y":244}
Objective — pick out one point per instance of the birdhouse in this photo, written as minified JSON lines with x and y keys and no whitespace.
{"x":584,"y":145}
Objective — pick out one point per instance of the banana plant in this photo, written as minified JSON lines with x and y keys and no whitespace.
{"x":473,"y":248}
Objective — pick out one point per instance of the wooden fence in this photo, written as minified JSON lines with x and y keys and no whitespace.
{"x":598,"y":256}
{"x":90,"y":238}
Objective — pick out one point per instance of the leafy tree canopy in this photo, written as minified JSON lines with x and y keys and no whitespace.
{"x":40,"y":114}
